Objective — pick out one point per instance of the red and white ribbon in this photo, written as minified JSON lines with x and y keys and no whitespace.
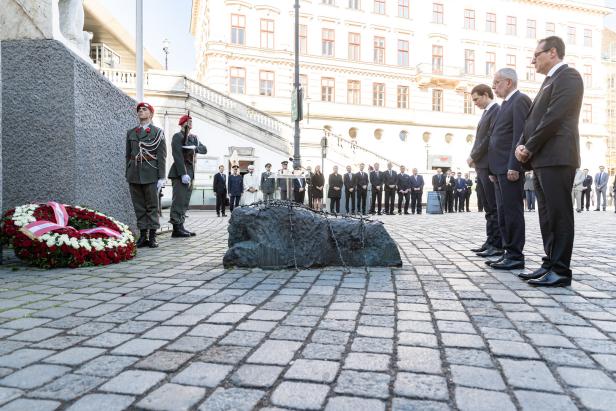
{"x":38,"y":228}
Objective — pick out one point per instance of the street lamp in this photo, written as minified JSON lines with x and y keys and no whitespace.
{"x":323,"y":152}
{"x":166,"y":51}
{"x":426,"y":138}
{"x":298,"y":102}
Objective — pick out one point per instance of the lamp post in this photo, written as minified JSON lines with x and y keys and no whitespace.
{"x":323,"y":152}
{"x":139,"y":50}
{"x":166,"y":51}
{"x":297,"y":96}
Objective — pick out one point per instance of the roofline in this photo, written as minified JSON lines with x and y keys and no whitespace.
{"x":99,"y":13}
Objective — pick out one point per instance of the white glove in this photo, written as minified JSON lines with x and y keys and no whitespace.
{"x":186,"y":179}
{"x":189,"y":147}
{"x":160,"y":184}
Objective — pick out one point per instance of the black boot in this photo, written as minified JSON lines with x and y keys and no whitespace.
{"x":186,"y":231}
{"x":152,"y":243}
{"x":178,"y":232}
{"x":143,"y":239}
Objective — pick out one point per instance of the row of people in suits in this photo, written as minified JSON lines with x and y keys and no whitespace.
{"x":455,"y":191}
{"x":385,"y":185}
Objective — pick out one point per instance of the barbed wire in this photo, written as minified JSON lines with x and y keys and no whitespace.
{"x":290,"y":205}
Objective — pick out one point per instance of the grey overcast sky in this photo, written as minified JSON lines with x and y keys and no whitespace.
{"x":171,"y":19}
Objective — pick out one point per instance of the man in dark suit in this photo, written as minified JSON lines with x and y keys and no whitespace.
{"x":480,"y":195}
{"x":505,"y":171}
{"x":438,"y":186}
{"x":587,"y":184}
{"x":460,"y":193}
{"x":334,"y":192}
{"x":450,"y":182}
{"x":469,"y":191}
{"x":361,"y":177}
{"x":390,"y":178}
{"x":299,"y":188}
{"x":220,"y":188}
{"x":550,"y":144}
{"x":483,"y":97}
{"x":404,"y":190}
{"x":417,"y":183}
{"x":350,"y":186}
{"x":236,"y":187}
{"x":376,"y":182}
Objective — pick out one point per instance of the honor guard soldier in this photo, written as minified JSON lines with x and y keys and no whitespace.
{"x":184,"y":148}
{"x":146,"y":152}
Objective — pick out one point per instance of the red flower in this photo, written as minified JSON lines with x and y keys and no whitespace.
{"x":137,"y":129}
{"x":147,"y":130}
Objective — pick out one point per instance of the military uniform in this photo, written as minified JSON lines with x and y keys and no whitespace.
{"x":184,"y":162}
{"x":146,"y":152}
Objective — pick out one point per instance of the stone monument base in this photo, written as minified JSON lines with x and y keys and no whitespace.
{"x":62,"y":131}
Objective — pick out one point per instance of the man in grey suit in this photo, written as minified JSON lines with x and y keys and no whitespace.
{"x":578,"y":187}
{"x":601,"y":179}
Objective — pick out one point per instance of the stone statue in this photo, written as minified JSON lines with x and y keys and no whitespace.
{"x":60,"y":20}
{"x":71,"y":25}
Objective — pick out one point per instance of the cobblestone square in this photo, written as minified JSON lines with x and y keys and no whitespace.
{"x":174,"y":330}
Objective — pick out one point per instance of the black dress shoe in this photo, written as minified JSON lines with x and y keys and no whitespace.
{"x":491,"y":252}
{"x":498,"y":260}
{"x":479,"y":249}
{"x":178,"y":232}
{"x":143,"y":239}
{"x":551,"y":279}
{"x":539,"y":272}
{"x":508,"y":264}
{"x":152,"y":242}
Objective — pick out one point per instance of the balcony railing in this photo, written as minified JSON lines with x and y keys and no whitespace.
{"x":127,"y":79}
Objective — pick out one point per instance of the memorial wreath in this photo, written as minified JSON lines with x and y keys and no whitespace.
{"x":55,"y":235}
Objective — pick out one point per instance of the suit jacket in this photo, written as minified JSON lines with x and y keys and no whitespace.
{"x":236,"y":185}
{"x":268,"y":185}
{"x":587,"y":182}
{"x":417,"y":182}
{"x":335,"y":180}
{"x":508,"y":128}
{"x":551,"y":131}
{"x":600,"y":184}
{"x":450,"y":183}
{"x":350,"y":181}
{"x":403,"y":182}
{"x":362,"y":179}
{"x":184,"y":159}
{"x":438,"y":182}
{"x":469,"y":185}
{"x":460,"y":184}
{"x":390,"y":177}
{"x":376,"y":178}
{"x":479,"y":152}
{"x":298,"y":183}
{"x":220,"y":183}
{"x":145,"y":170}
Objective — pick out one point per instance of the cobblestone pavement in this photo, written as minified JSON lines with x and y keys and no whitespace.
{"x":173,"y":330}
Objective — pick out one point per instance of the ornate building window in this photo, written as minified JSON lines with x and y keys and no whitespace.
{"x":469,"y":107}
{"x":266,"y":83}
{"x":403,"y":53}
{"x":327,"y":42}
{"x":469,"y":19}
{"x":353,"y":92}
{"x":267,"y":34}
{"x":237,"y":83}
{"x":469,"y":61}
{"x":511,"y":61}
{"x":490,"y":63}
{"x":327,"y":89}
{"x":531,"y":29}
{"x":437,"y":59}
{"x":587,"y":38}
{"x":491,"y":22}
{"x":379,"y":6}
{"x":354,"y":46}
{"x":571,"y":35}
{"x":437,"y":13}
{"x":587,"y":113}
{"x":378,"y":94}
{"x":238,"y":29}
{"x":379,"y":50}
{"x":437,"y":100}
{"x":402,"y":97}
{"x":512,"y":26}
{"x":403,"y":8}
{"x":550,"y":29}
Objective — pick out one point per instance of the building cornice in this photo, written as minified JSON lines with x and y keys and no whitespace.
{"x":572,"y":5}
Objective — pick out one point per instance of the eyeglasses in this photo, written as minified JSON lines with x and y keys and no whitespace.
{"x":537,"y":54}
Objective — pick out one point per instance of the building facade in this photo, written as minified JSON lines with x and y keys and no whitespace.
{"x":395,"y":76}
{"x":609,"y":62}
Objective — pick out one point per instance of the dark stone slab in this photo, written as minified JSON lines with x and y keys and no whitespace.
{"x":279,"y":235}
